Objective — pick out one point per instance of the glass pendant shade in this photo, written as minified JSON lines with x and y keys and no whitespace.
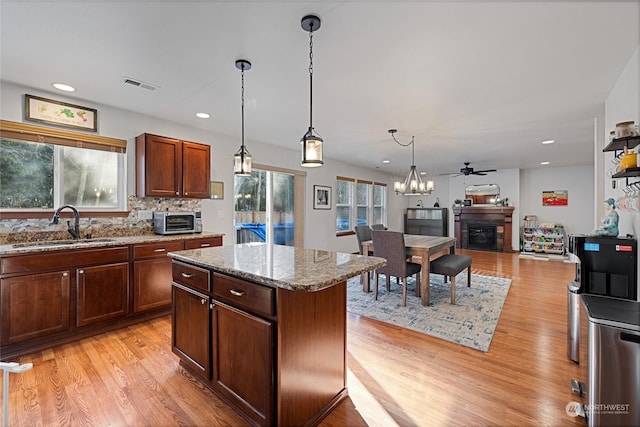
{"x":311,"y":150}
{"x":242,"y":162}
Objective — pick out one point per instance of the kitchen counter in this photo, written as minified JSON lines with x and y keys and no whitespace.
{"x":278,"y":266}
{"x":56,"y":245}
{"x":265,"y":327}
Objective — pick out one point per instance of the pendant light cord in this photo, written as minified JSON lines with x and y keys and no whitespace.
{"x":311,"y":77}
{"x":242,"y":109}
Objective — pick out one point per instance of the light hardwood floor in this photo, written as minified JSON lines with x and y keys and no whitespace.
{"x":396,"y":377}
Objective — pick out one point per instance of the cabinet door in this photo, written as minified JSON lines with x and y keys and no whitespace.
{"x":103,"y":292}
{"x":196,"y":176}
{"x":243,"y":361}
{"x":190,"y":329}
{"x":158,"y":166}
{"x":151,"y":284}
{"x":34,"y":306}
{"x":152,"y":275}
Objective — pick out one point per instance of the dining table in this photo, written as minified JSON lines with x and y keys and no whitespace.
{"x":421,"y":248}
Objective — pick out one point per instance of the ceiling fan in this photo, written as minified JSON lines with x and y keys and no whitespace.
{"x":466,"y":170}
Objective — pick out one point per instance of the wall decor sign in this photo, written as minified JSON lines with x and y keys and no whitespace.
{"x":555,"y":198}
{"x":58,"y":113}
{"x":321,"y":197}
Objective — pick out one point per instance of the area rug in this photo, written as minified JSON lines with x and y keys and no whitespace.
{"x":470,"y":322}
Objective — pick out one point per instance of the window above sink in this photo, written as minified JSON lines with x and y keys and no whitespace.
{"x":45,"y":167}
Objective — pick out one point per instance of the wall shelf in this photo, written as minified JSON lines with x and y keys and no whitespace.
{"x":619,"y":143}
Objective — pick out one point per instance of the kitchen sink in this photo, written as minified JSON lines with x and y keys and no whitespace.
{"x":60,"y":243}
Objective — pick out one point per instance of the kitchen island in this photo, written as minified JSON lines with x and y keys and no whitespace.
{"x":264,"y":327}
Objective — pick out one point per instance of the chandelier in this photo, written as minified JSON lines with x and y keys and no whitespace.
{"x":412,"y":185}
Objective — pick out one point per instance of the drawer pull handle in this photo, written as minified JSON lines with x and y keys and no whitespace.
{"x":236,"y":293}
{"x":205,"y":245}
{"x":187,"y":276}
{"x":159,"y":250}
{"x":203,"y":301}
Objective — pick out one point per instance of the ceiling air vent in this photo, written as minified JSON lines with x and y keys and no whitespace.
{"x":138,"y":83}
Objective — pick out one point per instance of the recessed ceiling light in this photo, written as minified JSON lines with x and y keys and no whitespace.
{"x":423,"y":173}
{"x":548,"y":141}
{"x":544,"y":163}
{"x":64,"y":87}
{"x":202,"y":115}
{"x":386,"y":161}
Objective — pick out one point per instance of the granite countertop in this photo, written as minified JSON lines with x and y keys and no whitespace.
{"x":279,"y":266}
{"x":56,"y":245}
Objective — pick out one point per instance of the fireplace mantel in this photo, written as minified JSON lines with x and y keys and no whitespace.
{"x":501,"y":216}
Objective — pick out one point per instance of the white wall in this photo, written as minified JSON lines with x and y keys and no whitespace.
{"x":218,"y":214}
{"x":577,"y":216}
{"x":623,"y":104}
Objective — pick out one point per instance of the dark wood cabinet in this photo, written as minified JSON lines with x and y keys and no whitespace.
{"x":276,"y":355}
{"x":203,"y":242}
{"x":190,"y":338}
{"x":168,"y":167}
{"x":243,"y":365}
{"x":103,"y":292}
{"x":190,"y":318}
{"x":152,"y":275}
{"x":427,"y":221}
{"x":34,"y":306}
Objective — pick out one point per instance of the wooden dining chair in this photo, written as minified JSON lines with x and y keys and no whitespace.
{"x":390,"y":245}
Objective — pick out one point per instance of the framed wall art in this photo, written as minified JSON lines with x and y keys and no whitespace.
{"x":321,"y":197}
{"x":58,"y":113}
{"x":217,"y":190}
{"x":555,"y":198}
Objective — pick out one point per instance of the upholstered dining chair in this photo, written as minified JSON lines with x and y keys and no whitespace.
{"x":378,"y":227}
{"x":363,"y":233}
{"x":390,"y":245}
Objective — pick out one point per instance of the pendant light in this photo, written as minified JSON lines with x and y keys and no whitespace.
{"x":242,"y":159}
{"x":311,"y":141}
{"x":412,"y":185}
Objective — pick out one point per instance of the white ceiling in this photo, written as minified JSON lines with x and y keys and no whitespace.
{"x":483,"y":82}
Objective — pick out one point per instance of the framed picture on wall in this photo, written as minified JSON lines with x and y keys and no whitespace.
{"x":321,"y":197}
{"x":58,"y":113}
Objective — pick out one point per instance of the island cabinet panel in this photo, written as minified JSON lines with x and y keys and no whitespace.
{"x":34,"y":306}
{"x":103,"y":292}
{"x":152,"y":275}
{"x":190,"y":331}
{"x":243,"y":361}
{"x":311,"y":365}
{"x":249,"y":296}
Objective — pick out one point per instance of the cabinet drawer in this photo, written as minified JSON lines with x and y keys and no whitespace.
{"x":189,"y":275}
{"x":242,"y":294}
{"x":151,"y":250}
{"x":203,"y":243}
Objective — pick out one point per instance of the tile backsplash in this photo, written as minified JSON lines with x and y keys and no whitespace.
{"x":138,"y":222}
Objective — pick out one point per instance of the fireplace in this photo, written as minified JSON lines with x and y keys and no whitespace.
{"x":483,"y":227}
{"x":482,"y":237}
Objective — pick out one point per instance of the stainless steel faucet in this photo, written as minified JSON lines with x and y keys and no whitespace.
{"x":75,"y":231}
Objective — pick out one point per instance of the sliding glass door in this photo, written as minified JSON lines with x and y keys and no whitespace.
{"x":265,"y":208}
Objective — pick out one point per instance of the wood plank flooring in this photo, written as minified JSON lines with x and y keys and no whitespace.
{"x":396,"y":377}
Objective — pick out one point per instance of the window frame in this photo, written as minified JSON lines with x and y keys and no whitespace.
{"x":353,"y":205}
{"x":33,"y":133}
